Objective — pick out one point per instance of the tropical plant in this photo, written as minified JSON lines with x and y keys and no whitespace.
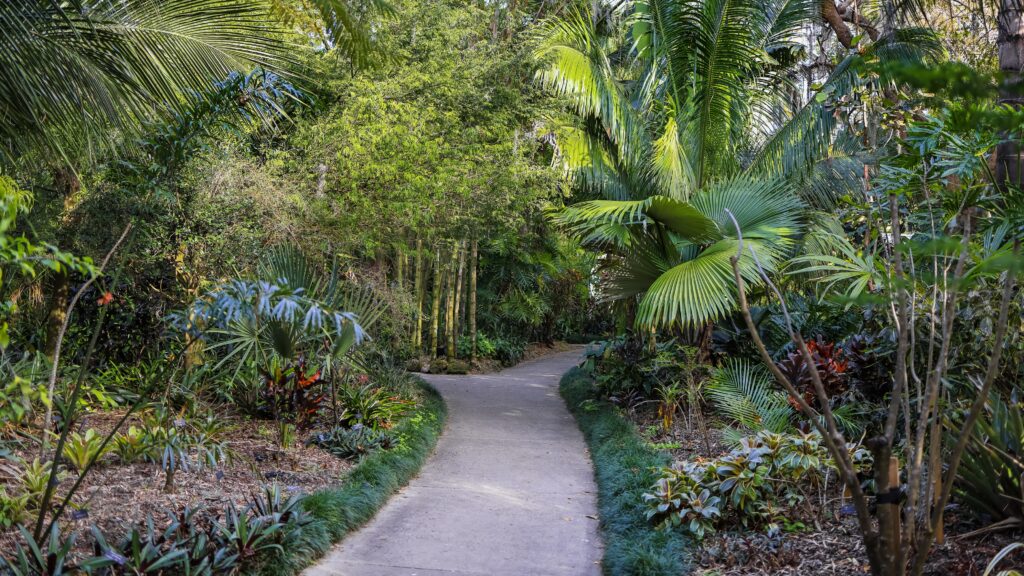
{"x":50,"y":556}
{"x":352,"y":442}
{"x":73,"y":71}
{"x":83,"y":450}
{"x":751,"y":485}
{"x":686,"y":155}
{"x":744,"y":393}
{"x":989,"y":481}
{"x":34,"y":478}
{"x":13,"y":508}
{"x":370,"y":405}
{"x":131,"y":445}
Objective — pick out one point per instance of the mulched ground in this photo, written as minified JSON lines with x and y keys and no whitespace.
{"x":115,"y":496}
{"x":829,"y":545}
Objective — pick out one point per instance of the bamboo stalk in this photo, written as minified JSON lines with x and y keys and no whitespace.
{"x":458,"y":288}
{"x":473,"y":263}
{"x":417,"y":336}
{"x":435,"y":309}
{"x":450,"y":312}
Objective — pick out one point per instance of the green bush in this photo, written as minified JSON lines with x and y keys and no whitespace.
{"x":989,"y":478}
{"x":625,"y":468}
{"x":485,"y":347}
{"x":352,"y":442}
{"x":753,"y":485}
{"x":509,"y":351}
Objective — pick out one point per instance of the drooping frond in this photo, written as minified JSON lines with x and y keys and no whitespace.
{"x":342,"y":25}
{"x":587,"y":163}
{"x":713,"y":49}
{"x":67,"y":74}
{"x":671,"y":164}
{"x":575,"y":65}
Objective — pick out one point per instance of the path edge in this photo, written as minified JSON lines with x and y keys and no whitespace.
{"x":343,"y":509}
{"x":625,"y":467}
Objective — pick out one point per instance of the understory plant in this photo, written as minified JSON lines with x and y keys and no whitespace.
{"x":990,"y":478}
{"x":758,"y":484}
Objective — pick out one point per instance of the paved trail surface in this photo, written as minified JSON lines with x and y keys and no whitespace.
{"x":509,"y":491}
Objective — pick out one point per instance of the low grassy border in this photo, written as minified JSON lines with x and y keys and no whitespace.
{"x":344,"y":508}
{"x":625,"y":467}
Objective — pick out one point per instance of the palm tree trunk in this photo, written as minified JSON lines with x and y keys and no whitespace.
{"x":417,"y":336}
{"x":473,"y":262}
{"x":435,"y":309}
{"x":66,"y":181}
{"x":1010,"y":43}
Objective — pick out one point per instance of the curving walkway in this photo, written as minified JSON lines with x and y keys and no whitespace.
{"x":508,"y":492}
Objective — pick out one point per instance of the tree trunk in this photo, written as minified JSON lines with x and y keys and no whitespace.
{"x":57,"y":286}
{"x":1010,"y":43}
{"x":473,"y":263}
{"x":400,"y":267}
{"x":435,"y":309}
{"x":417,"y":336}
{"x":65,"y":180}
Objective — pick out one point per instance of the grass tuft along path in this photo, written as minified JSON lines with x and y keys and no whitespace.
{"x":509,"y":491}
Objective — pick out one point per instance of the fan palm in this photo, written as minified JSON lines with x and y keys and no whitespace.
{"x":686,"y":119}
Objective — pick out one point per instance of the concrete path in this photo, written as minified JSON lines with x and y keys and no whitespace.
{"x":509,"y":491}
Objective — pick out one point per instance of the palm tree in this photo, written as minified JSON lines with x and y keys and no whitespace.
{"x":689,"y":132}
{"x":73,"y":72}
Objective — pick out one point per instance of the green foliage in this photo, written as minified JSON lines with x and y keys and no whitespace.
{"x":509,"y":350}
{"x":34,"y":478}
{"x":83,"y":450}
{"x":13,"y":508}
{"x":131,"y":445}
{"x":989,"y":479}
{"x":338,"y":511}
{"x":23,"y":257}
{"x":370,"y":405}
{"x":747,"y":395}
{"x":92,"y":67}
{"x":197,"y":543}
{"x":625,"y":468}
{"x":352,"y":442}
{"x":51,"y":557}
{"x":485,"y":347}
{"x":752,"y":485}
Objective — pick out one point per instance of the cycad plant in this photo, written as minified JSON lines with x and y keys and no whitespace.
{"x":688,"y":132}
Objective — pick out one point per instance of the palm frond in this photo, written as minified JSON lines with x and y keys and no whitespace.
{"x":576,"y":66}
{"x":745,"y":394}
{"x":68,"y":74}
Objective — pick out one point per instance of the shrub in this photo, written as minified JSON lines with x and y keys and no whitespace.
{"x":989,"y":478}
{"x":370,"y":405}
{"x":509,"y":351}
{"x":458,"y":367}
{"x":485,"y":347}
{"x":749,"y":486}
{"x":352,"y":442}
